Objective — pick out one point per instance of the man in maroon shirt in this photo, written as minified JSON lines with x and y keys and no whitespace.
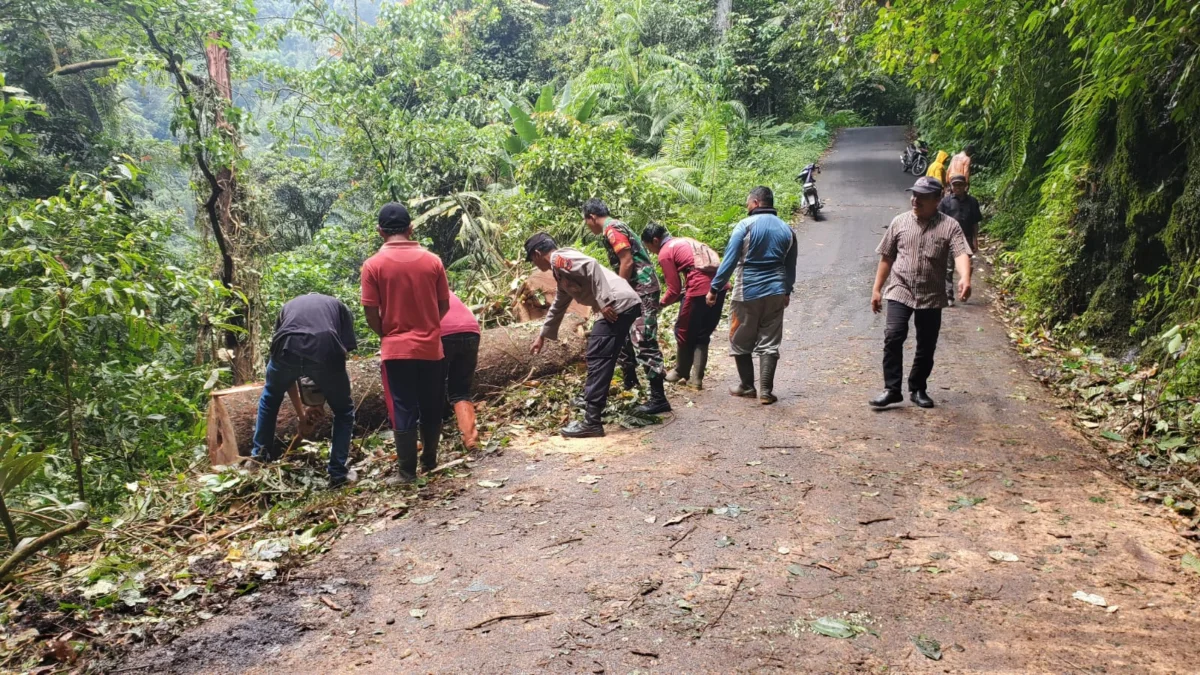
{"x":405,"y":295}
{"x":697,"y":263}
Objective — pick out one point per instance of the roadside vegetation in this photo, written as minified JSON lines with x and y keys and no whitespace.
{"x":1085,"y":115}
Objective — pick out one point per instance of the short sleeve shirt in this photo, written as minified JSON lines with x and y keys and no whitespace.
{"x":617,"y":238}
{"x":920,"y":254}
{"x":459,"y":319}
{"x":406,"y":283}
{"x":314,"y":327}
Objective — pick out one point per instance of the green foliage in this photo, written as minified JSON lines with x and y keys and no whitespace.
{"x":91,"y":310}
{"x":15,"y":467}
{"x":15,"y":109}
{"x":329,"y":264}
{"x":1084,"y":114}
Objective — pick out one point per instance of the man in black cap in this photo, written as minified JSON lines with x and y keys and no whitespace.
{"x":964,"y":208}
{"x":405,"y":294}
{"x":913,"y":255}
{"x":586,"y":281}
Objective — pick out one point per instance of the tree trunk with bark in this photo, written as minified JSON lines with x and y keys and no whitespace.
{"x":721,"y":20}
{"x":504,"y":359}
{"x":231,"y":217}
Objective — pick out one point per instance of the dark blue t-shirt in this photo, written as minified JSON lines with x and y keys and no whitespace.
{"x":315,"y":327}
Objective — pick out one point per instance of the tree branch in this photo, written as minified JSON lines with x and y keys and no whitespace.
{"x":73,"y":68}
{"x":40,"y":543}
{"x":174,"y":62}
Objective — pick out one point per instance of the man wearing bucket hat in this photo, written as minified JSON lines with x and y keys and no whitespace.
{"x":912,"y":262}
{"x":584,"y":280}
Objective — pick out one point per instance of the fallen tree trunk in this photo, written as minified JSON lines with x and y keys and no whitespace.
{"x":504,"y":359}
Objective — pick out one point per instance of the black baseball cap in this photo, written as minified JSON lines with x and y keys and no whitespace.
{"x":927,"y":185}
{"x":393,"y":217}
{"x":538,"y":242}
{"x":958,"y":178}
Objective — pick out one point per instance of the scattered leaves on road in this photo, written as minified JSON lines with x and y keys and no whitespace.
{"x":589,"y":479}
{"x":966,"y":502}
{"x":836,"y":628}
{"x":932,"y":649}
{"x":1090,"y":598}
{"x":1003,"y":556}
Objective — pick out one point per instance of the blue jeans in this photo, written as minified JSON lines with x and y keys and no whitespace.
{"x":334,"y":383}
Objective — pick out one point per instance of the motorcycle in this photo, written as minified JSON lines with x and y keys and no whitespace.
{"x":916,"y":158}
{"x":810,"y":201}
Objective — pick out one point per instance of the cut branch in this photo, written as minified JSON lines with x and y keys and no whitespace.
{"x":38,"y":544}
{"x":83,"y":66}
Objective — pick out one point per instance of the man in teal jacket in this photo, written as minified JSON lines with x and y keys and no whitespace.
{"x":762,"y":254}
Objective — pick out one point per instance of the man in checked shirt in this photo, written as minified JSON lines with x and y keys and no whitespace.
{"x":913,"y":260}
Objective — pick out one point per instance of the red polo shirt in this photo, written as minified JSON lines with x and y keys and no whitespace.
{"x":406,"y":283}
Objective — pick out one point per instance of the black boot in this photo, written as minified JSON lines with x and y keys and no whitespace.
{"x":590,"y":427}
{"x":683,"y":365}
{"x":630,"y":378}
{"x":888,"y":397}
{"x":700,"y":361}
{"x":745,"y":368}
{"x":766,"y":382}
{"x":406,"y":455}
{"x":429,"y":450}
{"x":658,"y":402}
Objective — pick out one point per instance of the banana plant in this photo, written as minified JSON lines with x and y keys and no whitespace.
{"x":15,"y":467}
{"x":478,"y":232}
{"x":547,"y":101}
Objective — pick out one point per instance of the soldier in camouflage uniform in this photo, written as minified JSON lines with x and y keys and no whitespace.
{"x":630,"y":260}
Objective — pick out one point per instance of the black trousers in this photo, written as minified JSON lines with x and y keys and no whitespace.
{"x":928,"y":323}
{"x":603,"y":350}
{"x":461,"y":356}
{"x":417,"y":389}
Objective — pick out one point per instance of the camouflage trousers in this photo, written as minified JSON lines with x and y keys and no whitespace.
{"x":642,"y":347}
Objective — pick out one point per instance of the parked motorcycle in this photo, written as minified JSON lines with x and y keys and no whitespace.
{"x":810,"y":201}
{"x":916,"y":158}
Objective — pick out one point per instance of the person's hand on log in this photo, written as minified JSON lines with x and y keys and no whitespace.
{"x":537,"y":345}
{"x":610,"y":314}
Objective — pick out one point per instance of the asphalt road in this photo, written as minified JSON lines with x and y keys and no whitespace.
{"x":972,"y":524}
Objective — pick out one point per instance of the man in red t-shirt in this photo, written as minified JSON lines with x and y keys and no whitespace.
{"x":405,"y":295}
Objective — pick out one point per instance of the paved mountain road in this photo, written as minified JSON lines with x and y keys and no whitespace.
{"x":825,"y":508}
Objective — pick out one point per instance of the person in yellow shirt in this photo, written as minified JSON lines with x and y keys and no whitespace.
{"x":938,"y":168}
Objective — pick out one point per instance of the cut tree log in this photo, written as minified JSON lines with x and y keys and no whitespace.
{"x":536,"y":294}
{"x":504,"y":359}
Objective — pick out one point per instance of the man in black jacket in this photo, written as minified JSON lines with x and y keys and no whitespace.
{"x":965,"y":209}
{"x":312,"y":337}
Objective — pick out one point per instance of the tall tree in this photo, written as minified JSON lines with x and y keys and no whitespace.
{"x":173,"y":38}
